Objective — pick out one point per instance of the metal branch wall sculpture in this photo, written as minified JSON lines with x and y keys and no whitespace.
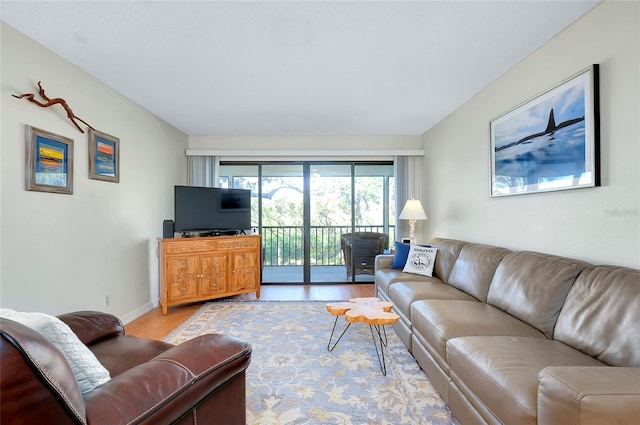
{"x":51,"y":102}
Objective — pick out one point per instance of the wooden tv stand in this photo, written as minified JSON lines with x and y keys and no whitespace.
{"x":198,"y":269}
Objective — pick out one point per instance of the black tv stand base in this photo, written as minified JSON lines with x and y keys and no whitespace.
{"x":205,"y":233}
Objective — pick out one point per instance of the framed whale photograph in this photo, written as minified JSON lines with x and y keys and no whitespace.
{"x":551,"y":142}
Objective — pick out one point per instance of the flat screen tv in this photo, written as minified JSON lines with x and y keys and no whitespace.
{"x":211,"y":209}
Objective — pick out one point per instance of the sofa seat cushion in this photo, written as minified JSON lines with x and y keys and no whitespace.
{"x":438,"y":321}
{"x":502,"y":371}
{"x":386,"y":277}
{"x":404,"y":294}
{"x":124,"y":352}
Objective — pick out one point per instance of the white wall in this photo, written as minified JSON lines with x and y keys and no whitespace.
{"x":600,"y":225}
{"x":61,"y":253}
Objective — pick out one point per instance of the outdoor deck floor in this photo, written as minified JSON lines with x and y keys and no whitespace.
{"x":319,"y":274}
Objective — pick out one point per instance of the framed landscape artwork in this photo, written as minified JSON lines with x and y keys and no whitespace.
{"x":550,"y":142}
{"x":49,"y":166}
{"x":104,"y":157}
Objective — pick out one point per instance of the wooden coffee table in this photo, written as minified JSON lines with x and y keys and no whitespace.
{"x":371,"y":311}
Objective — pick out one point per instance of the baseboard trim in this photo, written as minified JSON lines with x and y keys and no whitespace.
{"x":129,"y":317}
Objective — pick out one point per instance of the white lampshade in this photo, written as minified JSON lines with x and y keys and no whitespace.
{"x":413,"y":211}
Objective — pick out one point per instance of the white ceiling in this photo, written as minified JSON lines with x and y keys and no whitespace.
{"x":295,"y":67}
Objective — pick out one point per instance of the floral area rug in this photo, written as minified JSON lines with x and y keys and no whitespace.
{"x":293,"y":379}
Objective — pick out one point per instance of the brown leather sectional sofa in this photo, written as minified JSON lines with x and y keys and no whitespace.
{"x":522,"y":337}
{"x":201,"y":381}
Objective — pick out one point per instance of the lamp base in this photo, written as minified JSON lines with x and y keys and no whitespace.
{"x":412,"y":231}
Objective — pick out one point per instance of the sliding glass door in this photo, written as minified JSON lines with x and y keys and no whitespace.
{"x":321,"y":222}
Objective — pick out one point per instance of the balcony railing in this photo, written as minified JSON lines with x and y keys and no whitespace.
{"x":283,"y":245}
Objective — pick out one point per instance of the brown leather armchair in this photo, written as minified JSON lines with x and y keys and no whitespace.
{"x":199,"y":381}
{"x":360,"y":249}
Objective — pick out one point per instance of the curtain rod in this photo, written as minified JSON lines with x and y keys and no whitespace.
{"x":312,"y":153}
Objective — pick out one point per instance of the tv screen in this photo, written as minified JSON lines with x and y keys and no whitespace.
{"x":235,"y":199}
{"x":211,"y":208}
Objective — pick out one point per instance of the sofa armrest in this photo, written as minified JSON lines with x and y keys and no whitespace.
{"x":383,"y":261}
{"x":93,"y":326}
{"x":170,"y":384}
{"x":589,"y":395}
{"x":37,"y":381}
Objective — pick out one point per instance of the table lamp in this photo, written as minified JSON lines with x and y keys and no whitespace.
{"x":412,"y":211}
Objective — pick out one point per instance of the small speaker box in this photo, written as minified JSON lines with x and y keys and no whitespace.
{"x":167,"y":229}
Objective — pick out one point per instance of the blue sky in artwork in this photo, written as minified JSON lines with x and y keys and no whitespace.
{"x":567,"y":104}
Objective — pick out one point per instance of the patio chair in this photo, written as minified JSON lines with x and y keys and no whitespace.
{"x":360,"y":250}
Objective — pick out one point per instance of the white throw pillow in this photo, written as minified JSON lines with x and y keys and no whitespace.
{"x":420,"y":260}
{"x":88,"y":371}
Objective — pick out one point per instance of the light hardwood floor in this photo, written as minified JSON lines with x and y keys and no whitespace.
{"x":153,"y":325}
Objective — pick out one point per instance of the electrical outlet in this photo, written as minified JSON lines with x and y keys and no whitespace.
{"x":107,"y":300}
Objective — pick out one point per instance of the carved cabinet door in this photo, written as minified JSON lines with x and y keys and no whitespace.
{"x":213,"y":271}
{"x":244,"y":270}
{"x":182,"y":277}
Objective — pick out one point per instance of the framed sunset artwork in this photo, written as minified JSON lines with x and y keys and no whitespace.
{"x":49,"y":166}
{"x":104,"y":157}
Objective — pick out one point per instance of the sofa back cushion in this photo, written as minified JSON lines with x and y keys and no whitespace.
{"x":448,"y":252}
{"x":533,"y":286}
{"x":474,"y":269}
{"x":601,"y":315}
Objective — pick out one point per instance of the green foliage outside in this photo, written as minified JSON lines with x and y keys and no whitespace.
{"x":330,"y":215}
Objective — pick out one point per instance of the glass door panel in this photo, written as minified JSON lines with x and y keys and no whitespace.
{"x":243,"y":177}
{"x":282,"y":223}
{"x":372,"y":205}
{"x":330,"y":220}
